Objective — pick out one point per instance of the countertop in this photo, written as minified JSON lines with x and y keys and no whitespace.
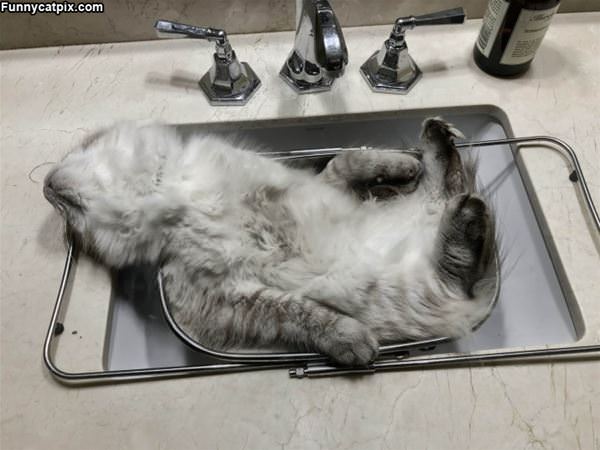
{"x":52,"y":98}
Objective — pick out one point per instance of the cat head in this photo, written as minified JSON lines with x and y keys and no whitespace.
{"x":110,"y":194}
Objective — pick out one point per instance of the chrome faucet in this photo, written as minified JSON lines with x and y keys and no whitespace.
{"x":391,"y":69}
{"x":319,"y":55}
{"x":229,"y":81}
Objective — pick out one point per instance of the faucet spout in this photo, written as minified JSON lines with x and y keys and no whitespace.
{"x":331,"y":51}
{"x":319,"y":54}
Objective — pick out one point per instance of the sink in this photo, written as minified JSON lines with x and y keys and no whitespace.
{"x":535,"y":305}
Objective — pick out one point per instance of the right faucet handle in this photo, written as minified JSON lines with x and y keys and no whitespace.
{"x":391,"y":69}
{"x":448,"y":16}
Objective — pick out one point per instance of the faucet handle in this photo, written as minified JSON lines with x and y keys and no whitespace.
{"x":448,"y":16}
{"x":228,"y":82}
{"x":165,"y":28}
{"x":391,"y":69}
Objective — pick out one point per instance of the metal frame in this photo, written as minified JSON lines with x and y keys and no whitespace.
{"x":315,"y":365}
{"x":272,"y":357}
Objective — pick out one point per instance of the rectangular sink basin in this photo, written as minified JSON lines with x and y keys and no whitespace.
{"x":535,"y":306}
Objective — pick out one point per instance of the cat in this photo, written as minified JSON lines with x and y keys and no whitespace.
{"x":380,"y":247}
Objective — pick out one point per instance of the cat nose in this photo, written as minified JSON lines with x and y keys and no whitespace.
{"x":49,"y":191}
{"x":50,"y":184}
{"x":49,"y":179}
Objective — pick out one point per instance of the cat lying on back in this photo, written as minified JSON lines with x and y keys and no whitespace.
{"x":380,"y":247}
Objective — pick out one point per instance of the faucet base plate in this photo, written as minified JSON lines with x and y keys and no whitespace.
{"x":243,"y":90}
{"x":407,"y":74}
{"x":305,"y":87}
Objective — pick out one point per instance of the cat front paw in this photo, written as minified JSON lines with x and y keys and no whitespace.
{"x":349,"y":343}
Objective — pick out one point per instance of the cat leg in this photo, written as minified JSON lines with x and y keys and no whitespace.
{"x":268,"y":316}
{"x":254,"y":314}
{"x":466,"y":242}
{"x":377,"y":173}
{"x":444,"y":170}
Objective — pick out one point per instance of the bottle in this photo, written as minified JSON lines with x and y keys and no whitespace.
{"x":511,"y":33}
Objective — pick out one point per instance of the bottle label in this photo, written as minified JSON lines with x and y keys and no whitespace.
{"x":527,"y":35}
{"x":492,"y":21}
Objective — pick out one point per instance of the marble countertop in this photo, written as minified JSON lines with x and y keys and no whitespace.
{"x":51,"y":98}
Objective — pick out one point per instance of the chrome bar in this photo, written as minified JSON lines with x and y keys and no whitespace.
{"x":580,"y":178}
{"x":129,"y":374}
{"x":315,"y":371}
{"x":266,"y":357}
{"x":315,"y":367}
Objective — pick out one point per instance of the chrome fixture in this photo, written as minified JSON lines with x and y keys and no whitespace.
{"x":391,"y":69}
{"x":319,"y":54}
{"x":228,"y":82}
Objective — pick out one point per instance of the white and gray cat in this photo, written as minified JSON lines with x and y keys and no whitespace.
{"x":381,"y":246}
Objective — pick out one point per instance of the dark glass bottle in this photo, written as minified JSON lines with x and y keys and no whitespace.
{"x":511,"y":32}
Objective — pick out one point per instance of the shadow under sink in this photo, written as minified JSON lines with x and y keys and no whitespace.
{"x":535,"y":306}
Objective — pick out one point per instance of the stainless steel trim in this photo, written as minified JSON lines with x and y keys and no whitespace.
{"x":314,"y":371}
{"x":275,"y":357}
{"x":315,"y":368}
{"x":579,"y":178}
{"x":114,"y":375}
{"x":384,"y":350}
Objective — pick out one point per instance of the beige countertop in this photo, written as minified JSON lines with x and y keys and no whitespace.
{"x":51,"y":98}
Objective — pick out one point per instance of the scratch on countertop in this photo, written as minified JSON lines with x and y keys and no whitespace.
{"x":474,"y":395}
{"x":399,"y":397}
{"x":595,"y":441}
{"x":565,"y":392}
{"x":526,"y":426}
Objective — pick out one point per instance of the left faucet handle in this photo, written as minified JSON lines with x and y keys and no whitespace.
{"x":228,"y":82}
{"x":166,"y":28}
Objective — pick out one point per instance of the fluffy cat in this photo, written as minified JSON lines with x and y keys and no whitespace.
{"x":381,"y":246}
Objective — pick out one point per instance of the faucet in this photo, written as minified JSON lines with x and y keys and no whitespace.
{"x":319,"y":55}
{"x":229,"y":81}
{"x":391,"y":69}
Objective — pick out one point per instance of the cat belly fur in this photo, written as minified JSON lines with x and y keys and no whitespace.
{"x":371,"y":261}
{"x":257,"y":253}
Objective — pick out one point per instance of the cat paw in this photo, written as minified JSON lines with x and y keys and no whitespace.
{"x":470,"y":218}
{"x":444,"y":162}
{"x":387,"y":167}
{"x":468,"y":239}
{"x":349,"y":343}
{"x":438,"y":131}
